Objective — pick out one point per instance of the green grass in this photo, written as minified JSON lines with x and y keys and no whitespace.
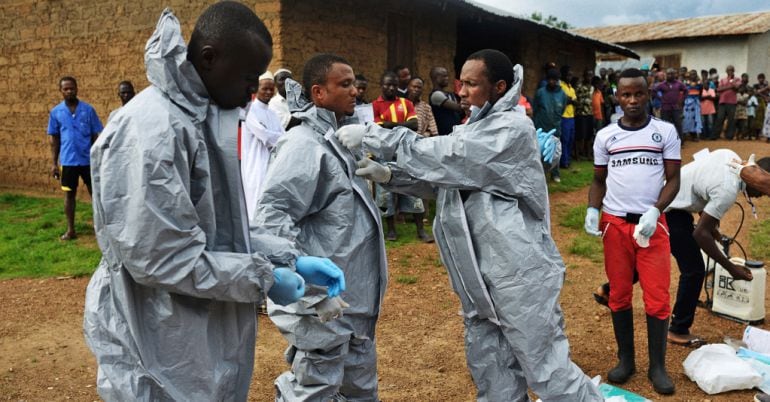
{"x":583,"y":245}
{"x":587,"y":246}
{"x":578,"y":176}
{"x":406,"y":279}
{"x":575,"y":218}
{"x":759,"y":238}
{"x":407,"y":232}
{"x":29,"y":238}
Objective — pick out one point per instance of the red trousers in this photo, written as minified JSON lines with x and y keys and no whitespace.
{"x":653,"y":264}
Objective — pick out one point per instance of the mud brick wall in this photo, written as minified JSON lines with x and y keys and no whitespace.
{"x":102,"y":43}
{"x":543,"y":48}
{"x":309,"y":27}
{"x":99,"y":43}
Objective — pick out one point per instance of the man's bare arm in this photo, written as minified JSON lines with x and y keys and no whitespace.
{"x":55,"y":142}
{"x":598,"y":189}
{"x":671,"y":188}
{"x":757,"y":178}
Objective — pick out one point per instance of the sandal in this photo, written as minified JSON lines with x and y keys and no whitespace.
{"x":694,"y":342}
{"x":603,"y":295}
{"x":68,"y":236}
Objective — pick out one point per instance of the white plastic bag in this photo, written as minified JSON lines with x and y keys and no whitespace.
{"x":716,"y":368}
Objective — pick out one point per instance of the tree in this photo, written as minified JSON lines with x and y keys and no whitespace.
{"x":551,"y":20}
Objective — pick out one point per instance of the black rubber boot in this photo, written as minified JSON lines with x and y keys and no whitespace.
{"x":623,"y":324}
{"x":656,"y":339}
{"x":390,"y":223}
{"x":424,"y":237}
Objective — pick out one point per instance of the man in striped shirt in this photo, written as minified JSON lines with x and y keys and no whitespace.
{"x":391,"y":110}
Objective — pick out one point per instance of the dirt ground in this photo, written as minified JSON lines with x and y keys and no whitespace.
{"x":43,"y":356}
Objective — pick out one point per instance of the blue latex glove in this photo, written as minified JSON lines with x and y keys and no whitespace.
{"x":649,"y":222}
{"x":550,"y":150}
{"x":592,"y":222}
{"x":540,"y":139}
{"x":287,"y":287}
{"x":547,"y":143}
{"x":322,"y":272}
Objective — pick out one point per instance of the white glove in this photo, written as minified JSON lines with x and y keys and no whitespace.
{"x":373,"y":171}
{"x":736,"y":166}
{"x":330,"y":308}
{"x":648,"y":222}
{"x":351,"y":136}
{"x":642,"y":241}
{"x":592,"y":222}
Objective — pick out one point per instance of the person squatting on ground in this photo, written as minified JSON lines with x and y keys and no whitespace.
{"x":492,"y":229}
{"x":636,"y":176}
{"x":170,"y":310}
{"x":72,"y":128}
{"x":311,"y":196}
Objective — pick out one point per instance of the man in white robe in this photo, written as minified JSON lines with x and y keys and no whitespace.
{"x":259,"y":134}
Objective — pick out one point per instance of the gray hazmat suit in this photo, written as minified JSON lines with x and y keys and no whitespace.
{"x":313,"y":197}
{"x":493,"y":235}
{"x":169,"y":312}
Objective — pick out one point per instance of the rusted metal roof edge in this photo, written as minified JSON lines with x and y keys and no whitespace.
{"x":601,"y":45}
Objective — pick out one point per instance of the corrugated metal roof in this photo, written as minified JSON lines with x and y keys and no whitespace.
{"x":602,"y":44}
{"x":714,"y":25}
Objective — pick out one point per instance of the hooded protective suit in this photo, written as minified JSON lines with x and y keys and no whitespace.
{"x":169,"y":312}
{"x":312,"y":196}
{"x":492,"y":230}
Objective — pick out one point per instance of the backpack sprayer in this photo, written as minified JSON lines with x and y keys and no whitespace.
{"x":737,"y":300}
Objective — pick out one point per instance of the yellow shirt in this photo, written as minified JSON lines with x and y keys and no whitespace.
{"x":569,"y":111}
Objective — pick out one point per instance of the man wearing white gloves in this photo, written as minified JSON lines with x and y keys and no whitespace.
{"x":636,"y":176}
{"x":492,"y":231}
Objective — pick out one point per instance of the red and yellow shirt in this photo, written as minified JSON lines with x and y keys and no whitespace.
{"x":398,"y":110}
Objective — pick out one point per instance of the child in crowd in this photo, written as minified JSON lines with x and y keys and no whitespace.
{"x":707,"y":107}
{"x":657,"y":96}
{"x":597,"y":103}
{"x":751,"y":111}
{"x":741,"y":115}
{"x":691,"y":119}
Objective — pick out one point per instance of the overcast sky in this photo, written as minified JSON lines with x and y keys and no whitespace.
{"x":591,"y":13}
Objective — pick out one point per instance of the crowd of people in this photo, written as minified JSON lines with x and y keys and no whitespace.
{"x":198,"y":226}
{"x":701,"y":107}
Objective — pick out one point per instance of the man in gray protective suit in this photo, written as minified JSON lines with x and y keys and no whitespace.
{"x":312,"y":196}
{"x":492,"y":229}
{"x":169,"y":312}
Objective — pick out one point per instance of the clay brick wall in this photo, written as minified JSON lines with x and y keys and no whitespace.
{"x":99,"y":43}
{"x":541,"y":49}
{"x":102,"y":43}
{"x":318,"y":26}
